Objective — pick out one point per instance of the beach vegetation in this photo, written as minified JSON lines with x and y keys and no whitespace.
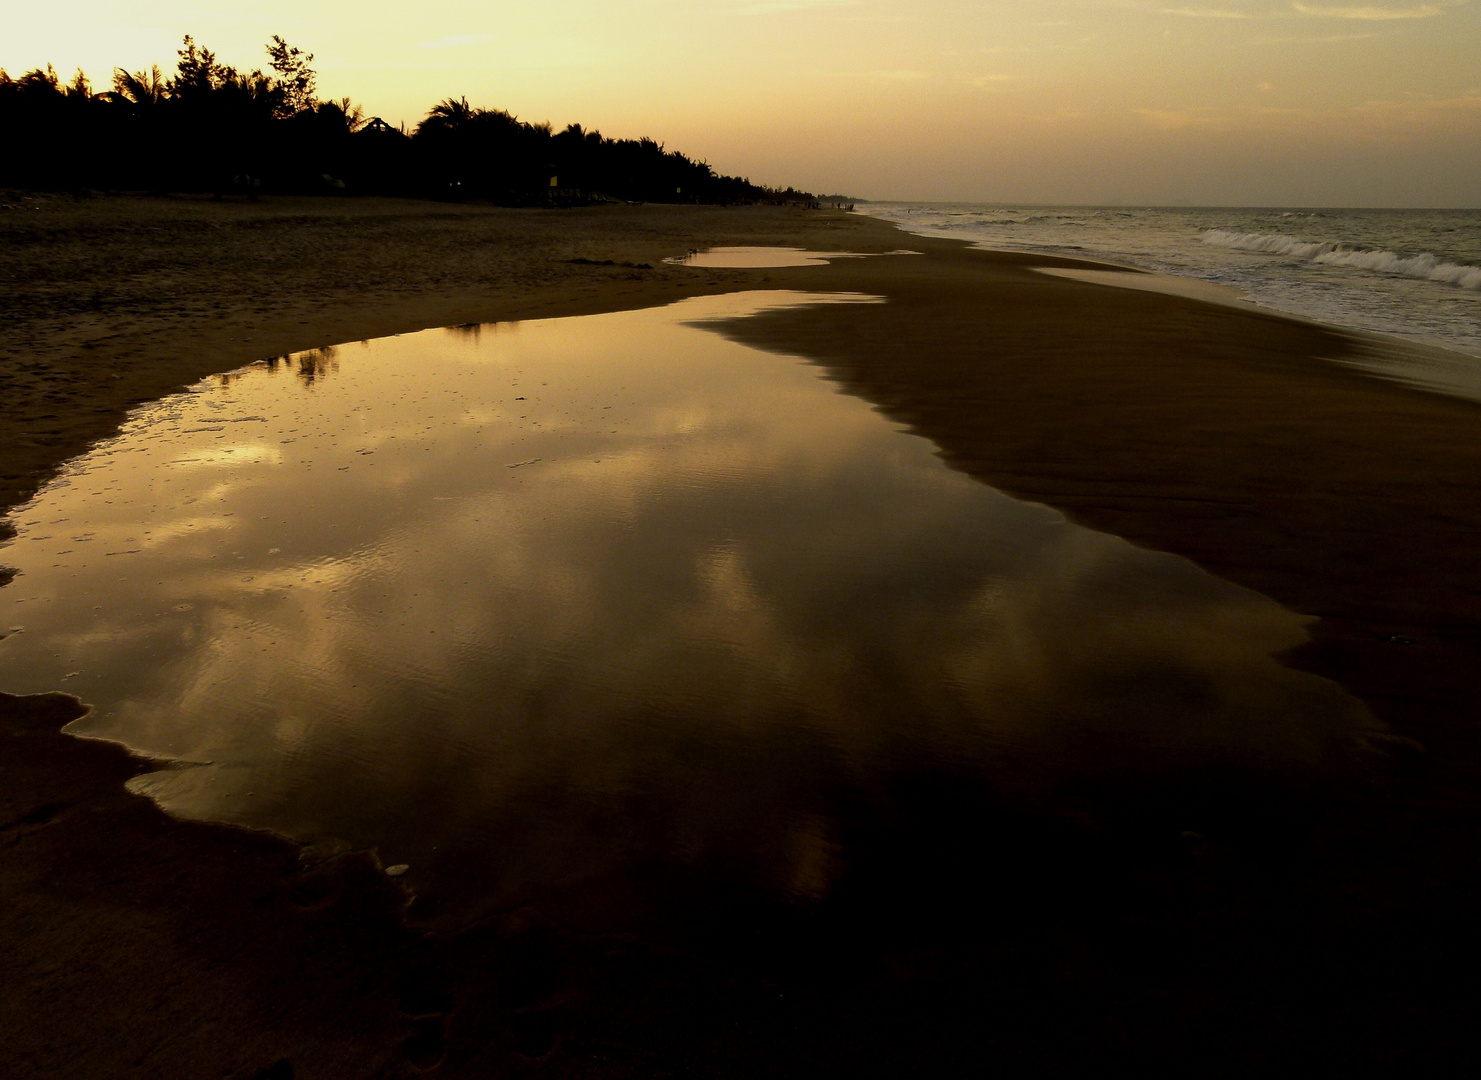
{"x":214,"y":128}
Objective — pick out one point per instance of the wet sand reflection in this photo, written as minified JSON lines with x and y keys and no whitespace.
{"x":592,"y":613}
{"x":764,"y":258}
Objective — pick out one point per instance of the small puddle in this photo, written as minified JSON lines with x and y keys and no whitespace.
{"x":548,"y":608}
{"x":761,"y":258}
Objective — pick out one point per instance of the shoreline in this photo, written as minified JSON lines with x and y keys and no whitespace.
{"x":1217,"y":434}
{"x":1144,"y":247}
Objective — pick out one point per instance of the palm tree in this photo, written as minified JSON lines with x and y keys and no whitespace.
{"x":344,"y":111}
{"x":447,"y":115}
{"x":144,"y":89}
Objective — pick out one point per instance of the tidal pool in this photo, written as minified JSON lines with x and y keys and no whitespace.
{"x":761,"y":258}
{"x":538,"y":608}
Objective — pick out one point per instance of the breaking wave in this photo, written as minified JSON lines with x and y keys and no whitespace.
{"x":1426,"y":267}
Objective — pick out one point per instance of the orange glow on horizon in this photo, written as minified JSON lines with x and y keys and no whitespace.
{"x":1224,"y":102}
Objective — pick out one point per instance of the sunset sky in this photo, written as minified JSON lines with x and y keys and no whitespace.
{"x":1268,"y":102}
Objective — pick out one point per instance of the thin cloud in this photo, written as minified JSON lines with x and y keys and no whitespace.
{"x":1405,"y":118}
{"x":1181,"y":11}
{"x":1185,"y":11}
{"x":1320,"y":39}
{"x":1377,"y":12}
{"x":1204,"y":13}
{"x":1364,"y":12}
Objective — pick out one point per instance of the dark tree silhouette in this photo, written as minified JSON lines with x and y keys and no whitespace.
{"x":213,"y":128}
{"x":142,"y":89}
{"x":295,"y":78}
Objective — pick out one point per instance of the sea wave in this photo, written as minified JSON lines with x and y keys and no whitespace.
{"x":1424,"y":266}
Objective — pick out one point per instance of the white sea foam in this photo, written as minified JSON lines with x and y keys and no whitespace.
{"x":1425,"y":266}
{"x":1373,"y":282}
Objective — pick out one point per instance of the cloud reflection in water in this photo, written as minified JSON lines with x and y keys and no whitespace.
{"x":542,"y":608}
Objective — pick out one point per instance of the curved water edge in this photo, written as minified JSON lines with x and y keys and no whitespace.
{"x":539,"y":610}
{"x":765,"y":258}
{"x":1414,"y":276}
{"x":1145,"y":281}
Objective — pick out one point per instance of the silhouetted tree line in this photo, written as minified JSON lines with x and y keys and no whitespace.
{"x":213,"y":128}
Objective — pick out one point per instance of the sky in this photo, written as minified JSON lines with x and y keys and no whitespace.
{"x":1150,"y":102}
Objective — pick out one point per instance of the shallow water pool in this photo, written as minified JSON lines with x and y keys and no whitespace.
{"x":762,"y":258}
{"x":555,"y":610}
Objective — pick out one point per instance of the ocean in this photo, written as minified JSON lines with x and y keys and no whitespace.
{"x":1410,"y":274}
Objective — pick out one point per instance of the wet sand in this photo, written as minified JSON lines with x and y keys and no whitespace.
{"x":110,"y":302}
{"x":1336,"y":932}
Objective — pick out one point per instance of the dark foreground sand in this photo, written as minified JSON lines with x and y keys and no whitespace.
{"x":1336,"y":935}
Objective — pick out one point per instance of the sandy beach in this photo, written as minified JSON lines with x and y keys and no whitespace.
{"x":1332,"y":935}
